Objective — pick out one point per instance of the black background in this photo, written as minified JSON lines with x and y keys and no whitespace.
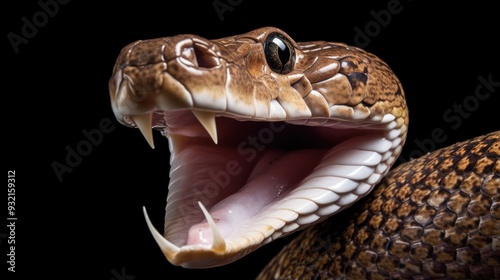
{"x":90,"y":225}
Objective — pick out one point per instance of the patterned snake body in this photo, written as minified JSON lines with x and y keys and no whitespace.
{"x":267,"y":135}
{"x":436,"y":217}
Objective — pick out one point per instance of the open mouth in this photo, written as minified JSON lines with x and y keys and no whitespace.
{"x":235,"y":181}
{"x":266,"y":136}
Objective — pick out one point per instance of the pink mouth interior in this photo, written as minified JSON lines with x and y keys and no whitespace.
{"x":274,"y":174}
{"x":258,"y":163}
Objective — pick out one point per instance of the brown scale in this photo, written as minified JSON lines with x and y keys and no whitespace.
{"x":436,"y":217}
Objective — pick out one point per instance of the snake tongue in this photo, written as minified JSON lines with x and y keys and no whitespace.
{"x":143,"y":122}
{"x":207,"y":120}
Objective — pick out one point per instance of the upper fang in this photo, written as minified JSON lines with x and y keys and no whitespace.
{"x":143,"y":122}
{"x":207,"y":120}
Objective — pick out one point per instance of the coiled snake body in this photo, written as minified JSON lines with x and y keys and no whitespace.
{"x":267,"y":136}
{"x":436,"y":217}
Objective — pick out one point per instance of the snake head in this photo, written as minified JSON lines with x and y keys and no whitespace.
{"x":267,"y":136}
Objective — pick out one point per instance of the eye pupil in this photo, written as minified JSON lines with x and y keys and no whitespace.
{"x":279,"y":52}
{"x":283,"y":51}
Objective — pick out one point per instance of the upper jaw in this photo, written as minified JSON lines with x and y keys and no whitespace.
{"x":187,"y":71}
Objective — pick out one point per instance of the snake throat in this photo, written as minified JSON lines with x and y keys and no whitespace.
{"x":257,"y":154}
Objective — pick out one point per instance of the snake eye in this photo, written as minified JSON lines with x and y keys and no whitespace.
{"x":280,"y":53}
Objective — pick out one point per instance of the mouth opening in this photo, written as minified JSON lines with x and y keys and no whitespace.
{"x":254,"y":165}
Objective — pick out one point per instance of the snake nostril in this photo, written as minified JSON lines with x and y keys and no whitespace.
{"x":199,"y":55}
{"x":205,"y":57}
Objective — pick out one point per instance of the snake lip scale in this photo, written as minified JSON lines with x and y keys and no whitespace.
{"x":267,"y":135}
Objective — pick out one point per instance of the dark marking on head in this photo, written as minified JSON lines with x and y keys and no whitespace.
{"x":357,"y":79}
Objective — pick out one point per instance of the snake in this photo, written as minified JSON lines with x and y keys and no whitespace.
{"x":268,"y":137}
{"x":436,"y":217}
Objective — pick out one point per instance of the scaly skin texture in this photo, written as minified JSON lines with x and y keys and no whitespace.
{"x":231,"y":75}
{"x":350,"y":99}
{"x":436,"y":217}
